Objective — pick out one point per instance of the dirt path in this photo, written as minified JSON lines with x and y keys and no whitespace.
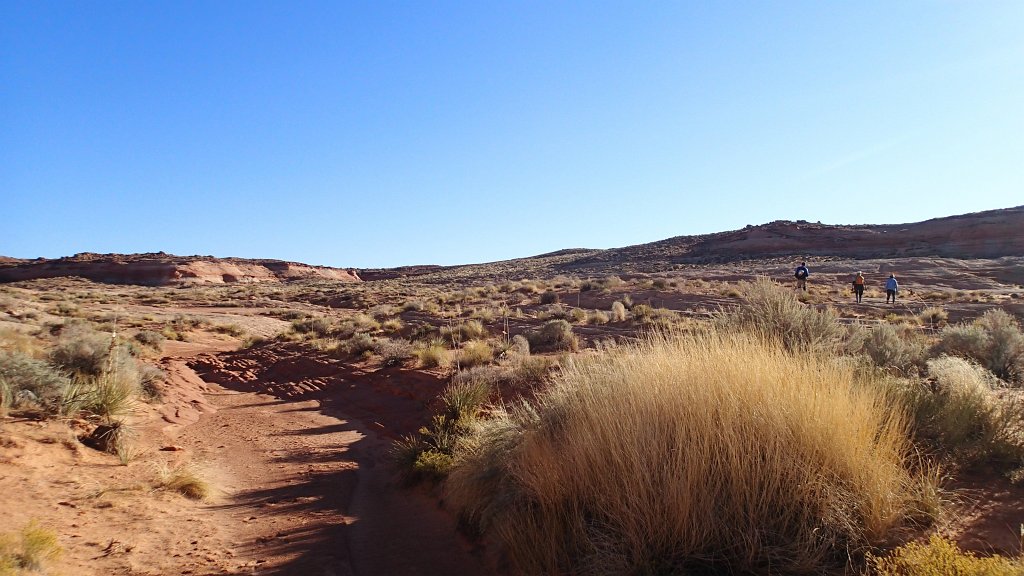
{"x":308,"y":493}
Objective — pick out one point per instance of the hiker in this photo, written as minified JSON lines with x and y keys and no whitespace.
{"x":891,"y":287}
{"x":858,"y":286}
{"x":801,"y":274}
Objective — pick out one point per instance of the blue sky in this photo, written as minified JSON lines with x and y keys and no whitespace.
{"x":389,"y":133}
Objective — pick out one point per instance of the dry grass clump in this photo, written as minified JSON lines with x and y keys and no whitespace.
{"x":994,"y":340}
{"x":598,"y":317}
{"x":150,"y":338}
{"x":12,"y":340}
{"x":553,"y":335}
{"x":933,"y":317}
{"x":673,"y":456}
{"x":30,"y":549}
{"x":775,"y":313}
{"x":962,"y":413}
{"x":618,"y":311}
{"x":942,"y":557}
{"x":185,"y":479}
{"x":318,"y":326}
{"x":433,"y":354}
{"x":475,"y":353}
{"x":468,"y":330}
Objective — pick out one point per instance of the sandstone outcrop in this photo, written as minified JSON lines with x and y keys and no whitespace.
{"x":161,"y":269}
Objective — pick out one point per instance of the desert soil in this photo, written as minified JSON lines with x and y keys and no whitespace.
{"x":297,"y":491}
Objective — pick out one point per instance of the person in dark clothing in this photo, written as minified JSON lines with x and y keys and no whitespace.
{"x":801,"y":274}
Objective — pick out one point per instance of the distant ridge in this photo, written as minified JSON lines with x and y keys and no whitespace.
{"x":160,"y":269}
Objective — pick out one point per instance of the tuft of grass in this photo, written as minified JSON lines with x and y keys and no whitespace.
{"x":185,"y":479}
{"x":475,"y":353}
{"x":933,"y":317}
{"x":941,"y":557}
{"x":433,"y":355}
{"x":31,"y":548}
{"x":674,"y":456}
{"x":468,"y":330}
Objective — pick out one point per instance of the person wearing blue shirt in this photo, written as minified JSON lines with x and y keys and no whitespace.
{"x":891,"y":287}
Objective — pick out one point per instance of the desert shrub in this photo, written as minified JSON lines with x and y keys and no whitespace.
{"x":318,"y":326}
{"x":774,"y":313}
{"x":578,"y":315}
{"x":110,"y":396}
{"x":673,"y":457}
{"x":433,"y":355}
{"x":553,"y":335}
{"x":365,"y":323}
{"x":530,"y":369}
{"x":231,"y":329}
{"x":12,"y":340}
{"x":475,"y":353}
{"x":82,"y":350}
{"x":393,"y":352}
{"x":941,"y":557}
{"x":468,"y":330}
{"x":962,"y":415}
{"x":185,"y":479}
{"x":29,"y":381}
{"x":519,"y":345}
{"x":149,"y":338}
{"x":359,"y":344}
{"x":618,"y":311}
{"x":598,"y":317}
{"x":994,"y":340}
{"x":30,"y":548}
{"x":642,"y":312}
{"x":428,"y":453}
{"x":549,"y":297}
{"x":149,"y":378}
{"x":933,"y":317}
{"x":392,"y":325}
{"x":611,"y":282}
{"x":891,"y":347}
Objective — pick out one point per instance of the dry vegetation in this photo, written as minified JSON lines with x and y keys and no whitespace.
{"x":613,"y":424}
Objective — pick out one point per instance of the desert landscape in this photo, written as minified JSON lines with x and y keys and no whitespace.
{"x":678,"y":407}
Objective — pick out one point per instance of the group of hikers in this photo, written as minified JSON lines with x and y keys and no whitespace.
{"x":891,"y":285}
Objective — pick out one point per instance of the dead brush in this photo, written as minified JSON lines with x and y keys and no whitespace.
{"x":186,"y":479}
{"x":706,"y":453}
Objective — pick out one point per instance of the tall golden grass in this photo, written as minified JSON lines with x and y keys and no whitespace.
{"x":711,"y":451}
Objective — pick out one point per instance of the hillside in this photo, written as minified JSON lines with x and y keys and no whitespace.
{"x":160,"y":269}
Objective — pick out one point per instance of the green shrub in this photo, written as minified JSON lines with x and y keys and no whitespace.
{"x":702,"y":455}
{"x":320,"y":327}
{"x":553,"y":335}
{"x":359,"y":344}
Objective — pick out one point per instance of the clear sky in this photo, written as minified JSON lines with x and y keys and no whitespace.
{"x":383,"y":133}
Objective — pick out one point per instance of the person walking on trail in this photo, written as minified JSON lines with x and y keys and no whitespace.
{"x":801,"y":274}
{"x":891,"y":287}
{"x":858,"y":286}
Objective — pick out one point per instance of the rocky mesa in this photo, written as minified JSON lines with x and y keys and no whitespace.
{"x":160,"y":269}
